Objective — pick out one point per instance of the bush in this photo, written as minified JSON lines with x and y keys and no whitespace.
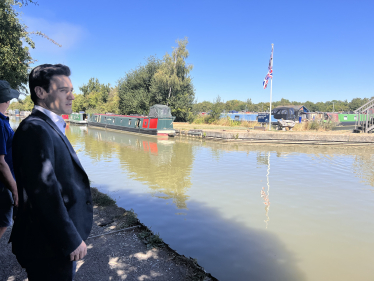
{"x":191,"y":117}
{"x":315,"y":125}
{"x":217,"y":109}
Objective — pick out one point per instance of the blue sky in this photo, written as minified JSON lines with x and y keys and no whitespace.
{"x":322,"y":49}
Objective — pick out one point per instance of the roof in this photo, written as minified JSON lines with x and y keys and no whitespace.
{"x":295,"y":107}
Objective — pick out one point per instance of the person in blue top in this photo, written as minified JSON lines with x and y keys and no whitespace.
{"x":8,"y":186}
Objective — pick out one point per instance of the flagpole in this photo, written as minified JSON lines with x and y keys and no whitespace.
{"x":271,"y":87}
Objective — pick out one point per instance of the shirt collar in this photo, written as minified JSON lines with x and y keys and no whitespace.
{"x":57,"y":119}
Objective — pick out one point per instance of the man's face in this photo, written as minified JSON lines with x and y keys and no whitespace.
{"x":59,"y":98}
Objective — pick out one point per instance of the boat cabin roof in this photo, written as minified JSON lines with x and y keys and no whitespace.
{"x":117,"y":115}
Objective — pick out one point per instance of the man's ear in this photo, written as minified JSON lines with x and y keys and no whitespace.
{"x":40,"y":92}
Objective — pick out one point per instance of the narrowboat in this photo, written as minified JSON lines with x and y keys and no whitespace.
{"x":345,"y":119}
{"x":158,"y":122}
{"x":350,"y":119}
{"x":240,"y":116}
{"x":78,"y":118}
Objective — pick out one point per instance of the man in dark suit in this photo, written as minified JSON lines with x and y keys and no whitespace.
{"x":55,"y":207}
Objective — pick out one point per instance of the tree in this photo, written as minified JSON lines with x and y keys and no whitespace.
{"x":134,"y":90}
{"x":202,"y":106}
{"x":235,"y":105}
{"x":356,"y":103}
{"x":94,"y":95}
{"x":14,"y":45}
{"x":310,"y":106}
{"x":23,"y":105}
{"x":113,"y":101}
{"x":14,"y":55}
{"x":217,"y":109}
{"x":249,"y":105}
{"x":80,"y":103}
{"x":94,"y":86}
{"x":172,"y":84}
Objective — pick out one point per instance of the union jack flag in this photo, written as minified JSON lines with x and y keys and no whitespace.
{"x":269,"y":75}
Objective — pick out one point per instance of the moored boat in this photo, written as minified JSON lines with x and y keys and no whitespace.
{"x":158,"y":122}
{"x":78,"y":118}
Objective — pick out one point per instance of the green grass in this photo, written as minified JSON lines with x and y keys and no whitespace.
{"x":101,"y":199}
{"x":131,"y":219}
{"x":150,"y":239}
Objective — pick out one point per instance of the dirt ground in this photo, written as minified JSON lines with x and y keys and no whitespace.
{"x":119,"y":248}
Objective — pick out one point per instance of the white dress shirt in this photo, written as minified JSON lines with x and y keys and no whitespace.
{"x":57,"y":119}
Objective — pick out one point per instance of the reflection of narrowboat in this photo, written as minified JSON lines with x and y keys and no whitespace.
{"x":158,"y":122}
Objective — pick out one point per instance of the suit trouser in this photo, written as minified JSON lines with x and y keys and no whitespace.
{"x":48,"y":269}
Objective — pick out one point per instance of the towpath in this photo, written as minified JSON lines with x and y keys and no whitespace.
{"x":115,"y":253}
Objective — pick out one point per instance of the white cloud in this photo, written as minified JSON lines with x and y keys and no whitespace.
{"x":66,"y":34}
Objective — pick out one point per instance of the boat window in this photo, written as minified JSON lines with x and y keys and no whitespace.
{"x":284,"y":111}
{"x":345,"y":117}
{"x":130,"y":122}
{"x":104,"y":118}
{"x":114,"y":119}
{"x":292,"y":111}
{"x":355,"y":117}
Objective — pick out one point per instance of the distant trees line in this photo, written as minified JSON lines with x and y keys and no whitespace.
{"x":137,"y":91}
{"x":248,"y":105}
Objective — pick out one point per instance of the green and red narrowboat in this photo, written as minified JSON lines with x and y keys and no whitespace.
{"x":158,"y":122}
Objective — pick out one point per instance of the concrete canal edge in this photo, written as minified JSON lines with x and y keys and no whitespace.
{"x":311,"y":138}
{"x":122,"y":220}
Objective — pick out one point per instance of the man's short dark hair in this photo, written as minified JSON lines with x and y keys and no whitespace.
{"x":41,"y":76}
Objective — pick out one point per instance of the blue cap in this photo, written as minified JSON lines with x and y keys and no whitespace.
{"x":6,"y":92}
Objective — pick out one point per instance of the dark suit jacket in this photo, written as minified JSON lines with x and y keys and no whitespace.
{"x":55,"y":207}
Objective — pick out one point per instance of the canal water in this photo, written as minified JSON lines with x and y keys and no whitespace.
{"x":245,"y":212}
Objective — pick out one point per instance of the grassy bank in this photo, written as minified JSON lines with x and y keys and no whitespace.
{"x":207,"y":122}
{"x":307,"y":127}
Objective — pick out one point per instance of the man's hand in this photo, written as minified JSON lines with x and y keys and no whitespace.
{"x":7,"y":179}
{"x":15,"y":197}
{"x":79,"y":252}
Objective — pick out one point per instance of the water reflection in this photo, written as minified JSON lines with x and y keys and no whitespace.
{"x":265,"y":194}
{"x":162,"y":164}
{"x":363,"y":168}
{"x":362,"y":156}
{"x":14,"y":122}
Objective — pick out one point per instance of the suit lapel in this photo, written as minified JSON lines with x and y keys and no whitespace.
{"x":48,"y":120}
